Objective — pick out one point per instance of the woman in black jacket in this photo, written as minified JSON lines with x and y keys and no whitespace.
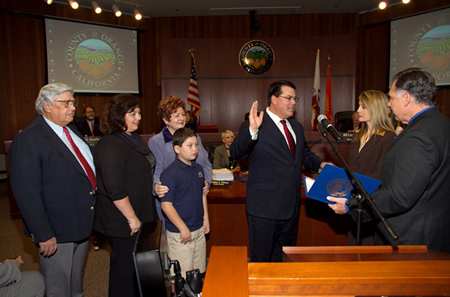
{"x":124,"y":166}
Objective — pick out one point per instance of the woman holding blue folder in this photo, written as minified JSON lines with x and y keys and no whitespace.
{"x":369,"y":145}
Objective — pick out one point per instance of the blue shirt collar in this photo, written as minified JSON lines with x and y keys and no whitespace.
{"x":167,"y":135}
{"x":420,"y":112}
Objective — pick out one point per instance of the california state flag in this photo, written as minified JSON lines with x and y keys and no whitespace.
{"x":316,"y":94}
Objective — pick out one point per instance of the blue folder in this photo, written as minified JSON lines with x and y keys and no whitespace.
{"x":242,"y":179}
{"x":333,"y":181}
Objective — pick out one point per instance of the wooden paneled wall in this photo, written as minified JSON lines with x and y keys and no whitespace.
{"x":359,"y":59}
{"x":23,"y":61}
{"x":227,"y":91}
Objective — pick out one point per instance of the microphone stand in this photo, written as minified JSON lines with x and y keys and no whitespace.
{"x":183,"y":289}
{"x":360,"y":194}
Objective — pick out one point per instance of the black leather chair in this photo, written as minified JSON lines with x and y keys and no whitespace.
{"x":210,"y":146}
{"x":149,"y":260}
{"x":343,"y":121}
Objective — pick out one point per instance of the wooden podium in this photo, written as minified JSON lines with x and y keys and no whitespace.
{"x":330,"y":271}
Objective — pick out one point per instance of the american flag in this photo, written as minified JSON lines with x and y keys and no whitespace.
{"x":193,"y":95}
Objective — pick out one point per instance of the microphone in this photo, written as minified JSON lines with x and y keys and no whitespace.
{"x":327,"y":126}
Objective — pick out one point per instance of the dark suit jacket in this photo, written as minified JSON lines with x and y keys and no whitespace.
{"x":85,"y":130}
{"x":50,"y":186}
{"x":369,"y":161}
{"x":274,"y":179}
{"x":415,"y":192}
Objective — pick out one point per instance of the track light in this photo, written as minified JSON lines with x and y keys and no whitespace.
{"x":406,"y":1}
{"x":74,"y":4}
{"x":382,"y":5}
{"x":137,"y":14}
{"x":116,"y":10}
{"x":96,"y":7}
{"x":48,"y":1}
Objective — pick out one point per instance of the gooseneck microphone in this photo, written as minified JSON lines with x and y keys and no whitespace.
{"x":330,"y":129}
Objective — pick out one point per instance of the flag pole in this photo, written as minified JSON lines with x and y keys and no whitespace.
{"x":328,"y":110}
{"x":315,"y":102}
{"x":191,"y":52}
{"x":193,"y":94}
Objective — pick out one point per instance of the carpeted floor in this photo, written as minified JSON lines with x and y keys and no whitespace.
{"x":14,"y":243}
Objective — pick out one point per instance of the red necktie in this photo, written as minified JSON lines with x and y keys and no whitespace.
{"x":92,"y":128}
{"x":87,"y":168}
{"x":289,"y":137}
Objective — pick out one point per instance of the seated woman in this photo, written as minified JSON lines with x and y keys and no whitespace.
{"x":222,"y":157}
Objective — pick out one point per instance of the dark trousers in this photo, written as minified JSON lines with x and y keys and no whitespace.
{"x":122,"y":274}
{"x":267,"y":237}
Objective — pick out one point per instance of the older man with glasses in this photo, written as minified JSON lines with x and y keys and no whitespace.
{"x":414,"y":193}
{"x":53,"y":180}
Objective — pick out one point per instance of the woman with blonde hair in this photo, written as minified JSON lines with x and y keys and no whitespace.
{"x":222,"y":158}
{"x":369,"y":145}
{"x":374,"y":136}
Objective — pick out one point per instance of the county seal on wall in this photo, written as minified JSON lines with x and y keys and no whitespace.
{"x":256,"y":57}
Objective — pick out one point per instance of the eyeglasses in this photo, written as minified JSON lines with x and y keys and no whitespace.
{"x":68,"y":103}
{"x":290,"y":98}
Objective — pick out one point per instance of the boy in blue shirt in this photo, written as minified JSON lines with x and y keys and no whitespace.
{"x":184,"y":205}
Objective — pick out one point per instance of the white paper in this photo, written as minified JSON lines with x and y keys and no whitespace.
{"x":222,"y":174}
{"x":308,"y":182}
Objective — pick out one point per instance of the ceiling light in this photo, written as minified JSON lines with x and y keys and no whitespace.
{"x":48,"y":1}
{"x":406,"y":1}
{"x":96,"y":7}
{"x":382,"y":5}
{"x":74,"y":4}
{"x":137,"y":14}
{"x":116,"y":10}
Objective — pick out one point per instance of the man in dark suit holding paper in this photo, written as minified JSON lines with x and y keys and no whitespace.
{"x":53,"y":180}
{"x":276,"y":153}
{"x":414,"y":194}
